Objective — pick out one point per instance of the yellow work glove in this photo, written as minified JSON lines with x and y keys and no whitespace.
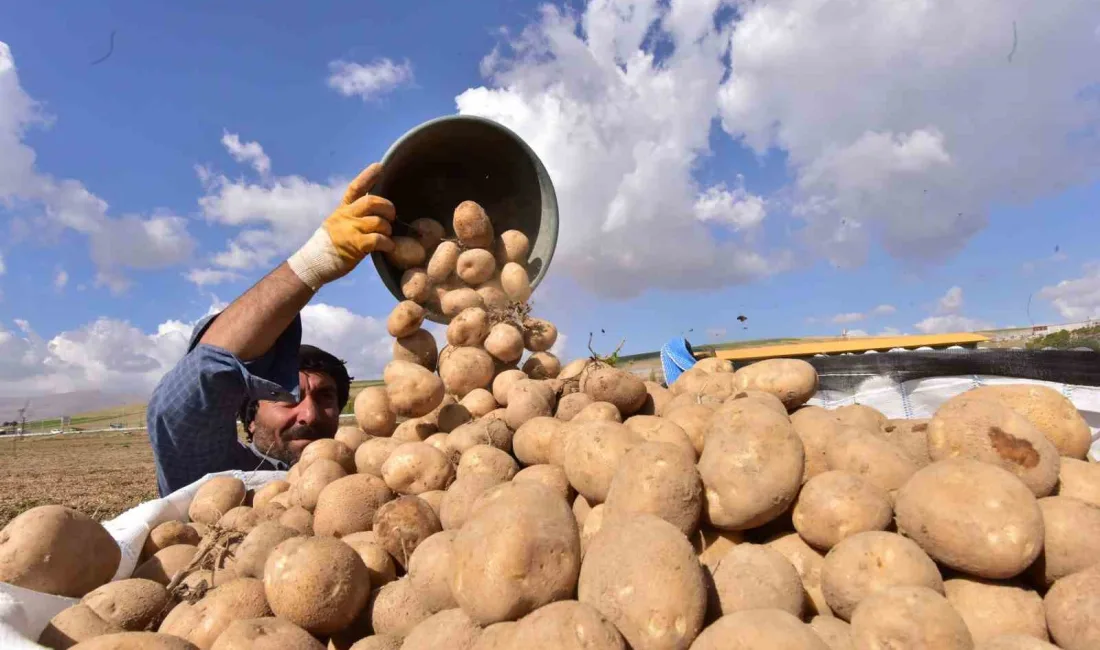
{"x":359,"y":226}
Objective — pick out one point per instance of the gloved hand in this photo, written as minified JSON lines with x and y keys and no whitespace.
{"x":359,"y":226}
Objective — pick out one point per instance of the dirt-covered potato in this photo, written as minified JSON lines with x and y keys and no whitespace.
{"x":455,"y":301}
{"x":836,"y":634}
{"x":373,"y":413}
{"x":458,"y":500}
{"x":1047,"y":410}
{"x":909,"y":617}
{"x":751,"y":469}
{"x":711,"y":545}
{"x":173,"y":532}
{"x":241,"y":519}
{"x":465,"y":369}
{"x":395,"y":609}
{"x":73,"y":625}
{"x":405,"y":319}
{"x":752,"y":576}
{"x":330,"y":449}
{"x":487,"y":460}
{"x":971,"y":516}
{"x":817,"y":428}
{"x":318,"y":583}
{"x":475,"y":266}
{"x":468,"y":328}
{"x":479,"y":402}
{"x":655,"y":429}
{"x":135,"y":641}
{"x":57,"y":550}
{"x":656,"y":398}
{"x":443,"y":261}
{"x":412,"y":390}
{"x":862,"y":453}
{"x":402,"y":524}
{"x":991,"y":609}
{"x":265,"y":634}
{"x":757,"y":630}
{"x":453,"y":416}
{"x":216,"y":497}
{"x":379,"y":563}
{"x":808,"y":562}
{"x":714,"y":364}
{"x":349,"y":436}
{"x":542,"y":365}
{"x":911,"y":436}
{"x":203,"y":622}
{"x":128,"y":604}
{"x":550,"y":476}
{"x":836,"y":505}
{"x":428,"y":232}
{"x":504,"y":342}
{"x":307,"y":488}
{"x":486,"y":431}
{"x":418,"y":347}
{"x":598,"y":412}
{"x":472,"y":226}
{"x":416,"y":467}
{"x":407,"y":253}
{"x":518,"y":551}
{"x":641,"y":573}
{"x":430,"y":569}
{"x":532,"y":440}
{"x":686,"y":399}
{"x":416,"y":286}
{"x":860,"y":416}
{"x":451,"y":628}
{"x":867,"y":563}
{"x":539,"y":335}
{"x":414,"y":430}
{"x":514,"y":281}
{"x":492,"y":295}
{"x":571,"y":405}
{"x":1071,"y":528}
{"x":528,"y":399}
{"x":793,"y":381}
{"x":593,"y":453}
{"x":165,"y":564}
{"x":993,"y":433}
{"x":373,"y":453}
{"x":657,"y":478}
{"x":604,"y":383}
{"x":1079,"y":479}
{"x":511,"y":246}
{"x":566,"y":625}
{"x":1073,"y":610}
{"x":694,"y":419}
{"x":251,"y":555}
{"x":503,"y":383}
{"x":347,"y":505}
{"x":297,"y":518}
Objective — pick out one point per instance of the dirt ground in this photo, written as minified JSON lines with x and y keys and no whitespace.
{"x":101,"y":474}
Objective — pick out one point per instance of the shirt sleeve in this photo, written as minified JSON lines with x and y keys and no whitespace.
{"x":192,"y":415}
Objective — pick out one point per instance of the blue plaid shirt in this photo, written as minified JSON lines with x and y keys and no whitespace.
{"x":192,"y":416}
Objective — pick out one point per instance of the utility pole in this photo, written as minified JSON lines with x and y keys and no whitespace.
{"x":23,"y":417}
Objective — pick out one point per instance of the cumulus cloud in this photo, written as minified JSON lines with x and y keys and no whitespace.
{"x":735,"y":208}
{"x":884,"y":310}
{"x":561,"y":347}
{"x":951,"y":302}
{"x":951,"y":323}
{"x":117,"y":244}
{"x":204,"y":277}
{"x":249,"y":153}
{"x":1077,"y":299}
{"x":857,"y":316}
{"x":368,"y":80}
{"x":852,"y":334}
{"x":361,"y":341}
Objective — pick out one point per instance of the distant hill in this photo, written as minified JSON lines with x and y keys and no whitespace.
{"x":74,"y":403}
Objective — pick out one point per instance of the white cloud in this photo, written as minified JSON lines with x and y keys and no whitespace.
{"x":117,"y":244}
{"x":856,"y":316}
{"x":903,"y":122}
{"x":204,"y":277}
{"x":60,"y":279}
{"x":561,"y":347}
{"x":852,"y":334}
{"x":951,"y":302}
{"x":950,"y":323}
{"x":250,"y":153}
{"x":884,"y":310}
{"x":621,"y":132}
{"x":368,"y":80}
{"x":1077,"y":299}
{"x":361,"y":341}
{"x":890,"y":331}
{"x":850,"y":317}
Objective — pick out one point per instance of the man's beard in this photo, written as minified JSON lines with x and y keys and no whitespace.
{"x":278,"y":445}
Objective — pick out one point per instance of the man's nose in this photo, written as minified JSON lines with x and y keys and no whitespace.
{"x":307,"y":411}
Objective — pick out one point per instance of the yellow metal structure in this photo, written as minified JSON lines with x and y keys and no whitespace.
{"x":855,"y":345}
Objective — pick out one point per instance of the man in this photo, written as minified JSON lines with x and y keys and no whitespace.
{"x":248,"y":360}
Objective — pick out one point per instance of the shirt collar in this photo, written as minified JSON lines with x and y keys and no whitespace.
{"x":279,"y":465}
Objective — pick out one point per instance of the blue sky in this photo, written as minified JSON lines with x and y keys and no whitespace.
{"x":776,"y":160}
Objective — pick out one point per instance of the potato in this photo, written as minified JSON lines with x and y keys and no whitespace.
{"x":443,"y":261}
{"x":993,"y":433}
{"x":472,"y":226}
{"x":465,"y":369}
{"x":475,"y":266}
{"x":373,"y":453}
{"x":793,"y":381}
{"x":593,"y":524}
{"x":298,"y":519}
{"x":373,"y":413}
{"x":379,"y":563}
{"x":1073,"y":610}
{"x":428,"y":232}
{"x":527,"y":400}
{"x":834,"y":632}
{"x":128,"y":604}
{"x":216,"y":497}
{"x":347,"y":505}
{"x":1079,"y":479}
{"x":504,"y":342}
{"x":1047,"y":410}
{"x":73,"y":625}
{"x":531,"y":442}
{"x":265,"y":634}
{"x":455,"y":301}
{"x":909,"y":617}
{"x":307,"y":488}
{"x":695,"y":421}
{"x":414,"y":430}
{"x":655,"y":429}
{"x":317,"y":583}
{"x":691,"y":399}
{"x":457,"y":502}
{"x":503,"y":383}
{"x":566,"y":625}
{"x":430,"y":568}
{"x":172,"y":532}
{"x":550,"y":476}
{"x":911,"y":436}
{"x":330,"y":449}
{"x":581,"y":508}
{"x":402,"y":524}
{"x":860,"y":416}
{"x":405,"y":318}
{"x":135,"y":641}
{"x":479,"y":402}
{"x":752,"y":576}
{"x":487,"y":460}
{"x":604,"y":383}
{"x":836,"y":505}
{"x":867,"y":563}
{"x":971,"y":516}
{"x":542,"y":365}
{"x":486,"y":431}
{"x":511,"y":246}
{"x":241,"y":519}
{"x":492,"y":295}
{"x":880,"y":463}
{"x":451,"y":628}
{"x":165,"y":563}
{"x":453,"y":416}
{"x":416,"y":286}
{"x":412,"y":390}
{"x":656,"y":398}
{"x":598,"y":412}
{"x":816,"y":428}
{"x":991,"y":609}
{"x":569,"y":406}
{"x":808,"y":561}
{"x":351,"y":437}
{"x":539,"y":335}
{"x":1071,"y":528}
{"x":434,"y":498}
{"x":396,"y":608}
{"x":415,"y":467}
{"x":751,"y":469}
{"x":660,"y":479}
{"x":418,"y":347}
{"x":593,"y":453}
{"x":202,"y":622}
{"x":641,"y":574}
{"x":514,"y":281}
{"x":468,"y":328}
{"x":252,"y":554}
{"x":407,"y":253}
{"x":1015,"y":642}
{"x":758,"y":630}
{"x":518,"y":551}
{"x":711,"y":545}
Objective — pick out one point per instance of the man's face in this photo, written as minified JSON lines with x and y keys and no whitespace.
{"x":282,"y":430}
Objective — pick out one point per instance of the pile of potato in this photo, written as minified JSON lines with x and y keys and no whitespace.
{"x":477,"y":506}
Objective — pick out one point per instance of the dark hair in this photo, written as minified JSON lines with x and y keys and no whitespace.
{"x":312,"y":359}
